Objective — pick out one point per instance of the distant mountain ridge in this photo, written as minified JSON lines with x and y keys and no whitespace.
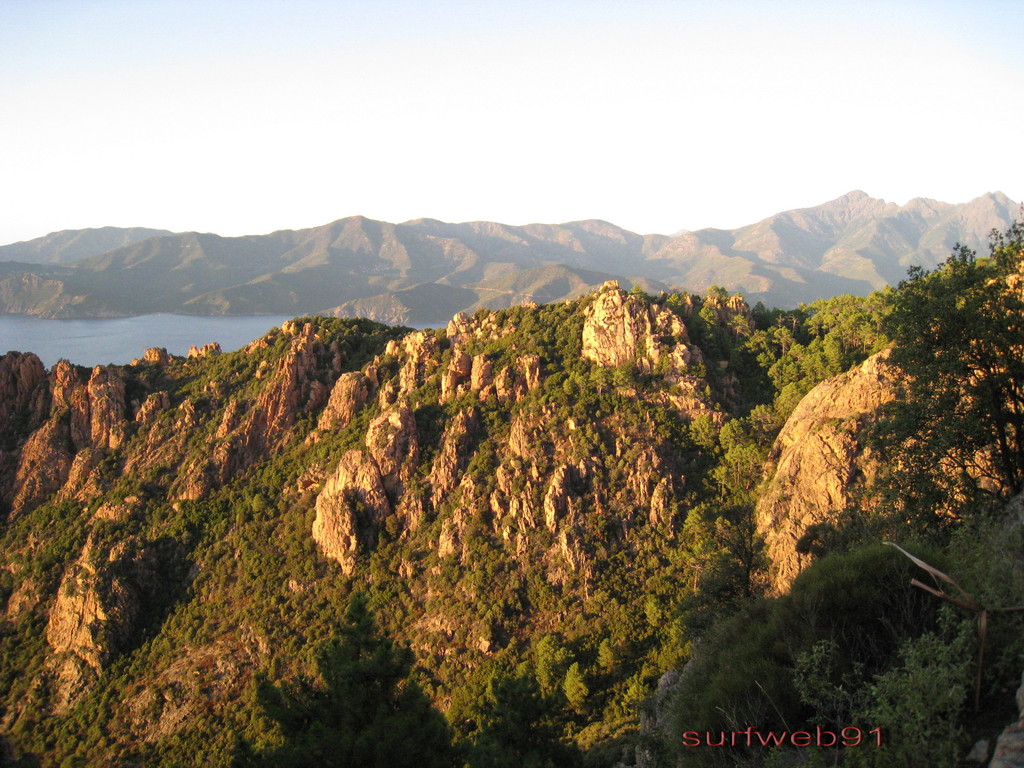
{"x":72,"y":244}
{"x":423,"y":271}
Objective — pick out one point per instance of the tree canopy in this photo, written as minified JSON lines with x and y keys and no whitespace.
{"x":958,"y":331}
{"x":361,"y":709}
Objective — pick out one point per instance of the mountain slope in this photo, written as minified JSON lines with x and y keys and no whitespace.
{"x":558,"y":500}
{"x":72,"y":244}
{"x":853,"y":244}
{"x":211,"y":516}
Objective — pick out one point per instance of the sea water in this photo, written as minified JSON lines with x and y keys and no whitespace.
{"x":121,"y":340}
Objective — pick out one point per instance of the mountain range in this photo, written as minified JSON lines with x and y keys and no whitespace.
{"x":421,"y":272}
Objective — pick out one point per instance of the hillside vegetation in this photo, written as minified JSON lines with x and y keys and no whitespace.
{"x":562,"y":534}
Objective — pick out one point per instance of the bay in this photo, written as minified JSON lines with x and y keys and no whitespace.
{"x":121,"y":340}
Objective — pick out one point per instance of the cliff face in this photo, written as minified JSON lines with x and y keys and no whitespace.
{"x":293,"y":389}
{"x":350,"y":509}
{"x":818,"y":459}
{"x":87,"y":417}
{"x":24,"y":402}
{"x":95,"y":614}
{"x":23,"y":394}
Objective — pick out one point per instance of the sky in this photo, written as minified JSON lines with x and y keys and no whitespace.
{"x":249,"y":117}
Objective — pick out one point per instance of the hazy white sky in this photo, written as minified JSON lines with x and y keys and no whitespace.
{"x":246,"y":117}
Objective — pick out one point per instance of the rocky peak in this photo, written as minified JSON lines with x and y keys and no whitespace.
{"x":24,"y":397}
{"x":107,"y":408}
{"x":459,"y":328}
{"x":293,"y":389}
{"x":155,"y":356}
{"x":350,"y":393}
{"x":621,"y":327}
{"x":248,"y":430}
{"x":299,"y":329}
{"x":70,"y":394}
{"x":207,"y":350}
{"x":725,"y":308}
{"x":420,"y":351}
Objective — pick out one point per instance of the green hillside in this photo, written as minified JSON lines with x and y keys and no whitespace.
{"x":565,"y":534}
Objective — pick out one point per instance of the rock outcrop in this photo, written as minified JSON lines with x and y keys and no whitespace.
{"x":420,"y":351}
{"x":817,"y":459}
{"x":107,"y":408}
{"x":456,"y":376}
{"x":154,"y":404}
{"x":529,"y":367}
{"x":208,"y":676}
{"x":71,"y":395}
{"x":561,"y":500}
{"x":293,"y":388}
{"x":454,"y":454}
{"x":463,"y":329}
{"x":621,"y":328}
{"x":207,"y":350}
{"x":350,"y":393}
{"x":350,"y":509}
{"x":24,"y":396}
{"x":44,"y":466}
{"x":393,"y":444}
{"x":477,"y":374}
{"x":86,"y":417}
{"x":155,"y":356}
{"x":727,"y":309}
{"x":482,"y":374}
{"x":95,"y":613}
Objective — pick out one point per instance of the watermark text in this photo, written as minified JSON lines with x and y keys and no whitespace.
{"x":850,"y":736}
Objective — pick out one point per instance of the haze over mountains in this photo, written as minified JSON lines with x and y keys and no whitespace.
{"x":71,"y":244}
{"x":423,"y":271}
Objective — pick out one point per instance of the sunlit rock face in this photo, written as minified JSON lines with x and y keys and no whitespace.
{"x":817,"y":459}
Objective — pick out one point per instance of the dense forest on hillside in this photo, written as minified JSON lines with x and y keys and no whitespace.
{"x":586,"y":533}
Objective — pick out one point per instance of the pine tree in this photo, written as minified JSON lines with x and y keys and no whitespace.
{"x":360,"y":710}
{"x":575,"y":687}
{"x":518,"y":728}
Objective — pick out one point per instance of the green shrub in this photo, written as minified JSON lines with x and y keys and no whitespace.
{"x":858,"y":610}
